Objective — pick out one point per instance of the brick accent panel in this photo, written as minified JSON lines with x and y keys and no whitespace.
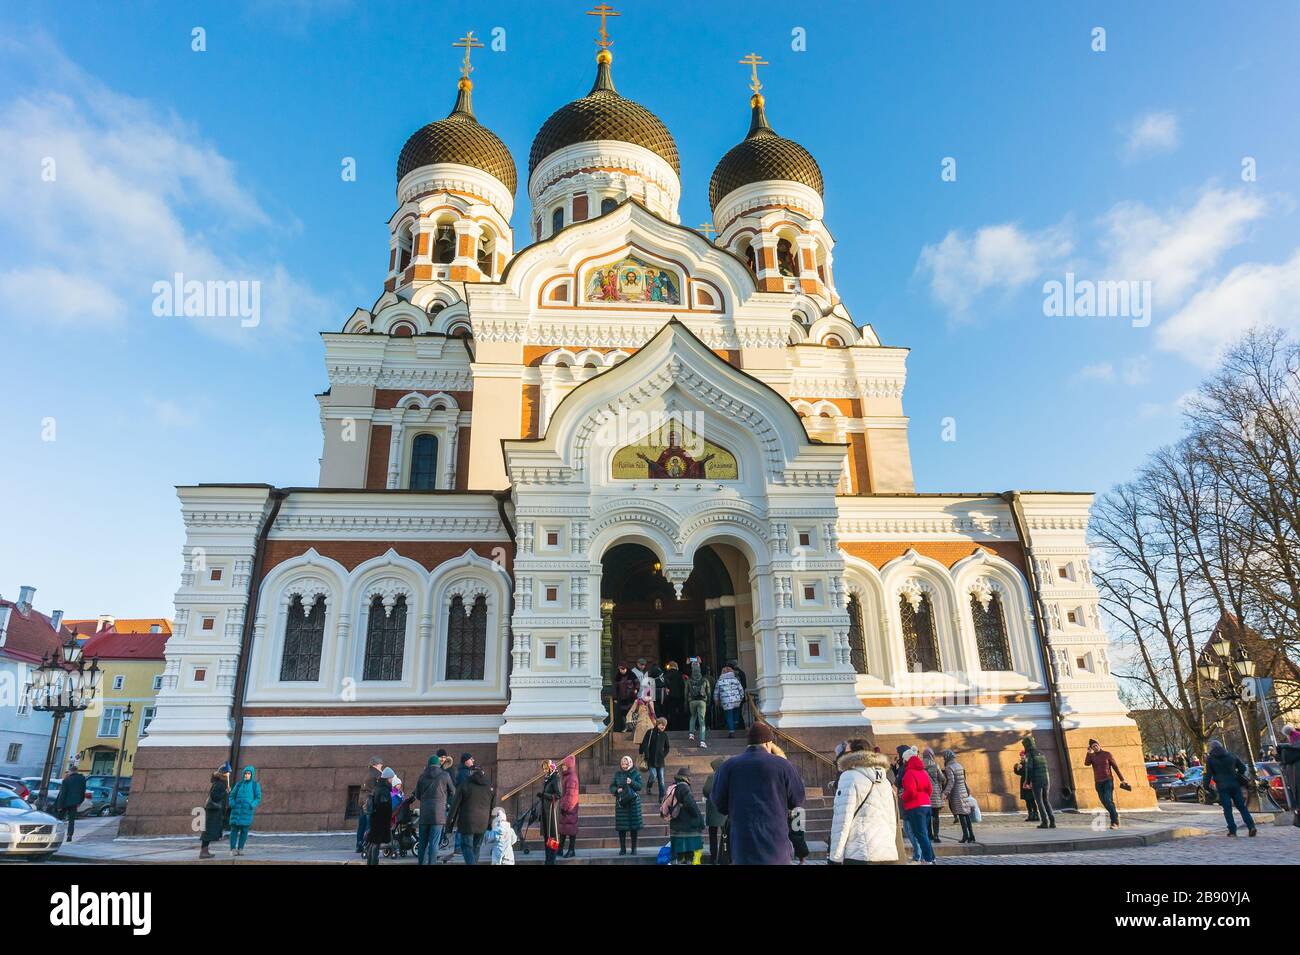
{"x":389,"y":397}
{"x":580,"y":208}
{"x":859,"y":463}
{"x":350,"y":553}
{"x":377,"y":458}
{"x":304,"y":788}
{"x":879,"y":553}
{"x":462,"y":459}
{"x":531,"y":417}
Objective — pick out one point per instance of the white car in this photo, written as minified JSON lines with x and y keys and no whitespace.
{"x":26,"y":832}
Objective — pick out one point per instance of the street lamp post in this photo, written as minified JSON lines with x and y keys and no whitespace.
{"x":121,"y":755}
{"x":61,"y":685}
{"x":1229,"y":689}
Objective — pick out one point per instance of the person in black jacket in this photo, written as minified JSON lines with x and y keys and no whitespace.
{"x":71,"y":793}
{"x":380,"y":831}
{"x":214,"y":813}
{"x":686,"y":827}
{"x":373,"y":770}
{"x":1228,"y":772}
{"x":471,"y":812}
{"x":654,"y":749}
{"x":674,"y":696}
{"x":549,"y":820}
{"x":626,"y":687}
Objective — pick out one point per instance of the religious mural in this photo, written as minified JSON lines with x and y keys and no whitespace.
{"x":632,"y":279}
{"x":682,"y":454}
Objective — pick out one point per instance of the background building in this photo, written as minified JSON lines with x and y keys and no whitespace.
{"x":27,"y":636}
{"x":132,"y":664}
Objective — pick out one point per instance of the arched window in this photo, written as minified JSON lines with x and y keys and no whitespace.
{"x":785,"y":260}
{"x":466,"y":639}
{"x":608,"y":204}
{"x":405,"y":246}
{"x":485,"y":253}
{"x":424,"y":462}
{"x":991,"y":633}
{"x":557,"y":220}
{"x":919,"y":643}
{"x":857,"y":636}
{"x":304,"y":633}
{"x":385,"y":640}
{"x":444,"y":244}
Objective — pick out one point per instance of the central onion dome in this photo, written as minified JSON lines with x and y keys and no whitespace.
{"x":604,"y":115}
{"x":461,"y":139}
{"x":763,"y":156}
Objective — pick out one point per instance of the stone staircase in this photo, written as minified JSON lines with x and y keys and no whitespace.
{"x":596,"y":814}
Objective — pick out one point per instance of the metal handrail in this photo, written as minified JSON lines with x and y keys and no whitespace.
{"x":609,"y":727}
{"x":756,"y":715}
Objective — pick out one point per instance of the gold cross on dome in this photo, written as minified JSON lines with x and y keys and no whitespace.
{"x":468,"y":42}
{"x":603,"y":11}
{"x":754,"y":61}
{"x":707,"y":229}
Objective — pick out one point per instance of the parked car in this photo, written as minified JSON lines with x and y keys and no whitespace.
{"x":99,"y":799}
{"x":1270,"y":774}
{"x":1167,"y":780}
{"x":1194,"y":779}
{"x":25,"y":832}
{"x":106,"y":782}
{"x":16,"y":785}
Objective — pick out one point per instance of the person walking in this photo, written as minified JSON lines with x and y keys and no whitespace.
{"x":1231,"y":777}
{"x":916,"y":805}
{"x":714,"y":818}
{"x":549,"y":823}
{"x":1026,"y":789}
{"x":957,"y":793}
{"x":864,"y":822}
{"x":757,"y":790}
{"x":936,"y":790}
{"x":628,"y":819}
{"x":244,"y":800}
{"x":471,"y":808}
{"x":214,"y":813}
{"x":569,"y":806}
{"x":730,"y":694}
{"x":685,"y":820}
{"x":743,"y":680}
{"x":654,"y":750}
{"x":434,"y":792}
{"x":626,"y":687}
{"x":70,"y":796}
{"x":642,"y":718}
{"x":1039,"y":779}
{"x":697,"y":691}
{"x":501,"y":836}
{"x":367,"y":787}
{"x":380,"y":830}
{"x":1104,"y":771}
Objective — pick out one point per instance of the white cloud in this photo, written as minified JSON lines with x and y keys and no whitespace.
{"x":1176,"y":249}
{"x":998,"y":257}
{"x":1152,"y":133}
{"x":1133,"y":371}
{"x":1249,"y":295}
{"x":1101,"y":371}
{"x":135,"y":197}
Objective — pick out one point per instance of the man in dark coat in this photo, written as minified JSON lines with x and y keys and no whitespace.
{"x":471,"y":812}
{"x":71,"y":793}
{"x":1226,"y":770}
{"x":626,"y":686}
{"x":675,"y":697}
{"x":367,"y":787}
{"x":757,"y":790}
{"x":434,"y":791}
{"x":654,"y":748}
{"x":1039,"y":778}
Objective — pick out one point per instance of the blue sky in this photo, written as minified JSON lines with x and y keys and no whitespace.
{"x":1122,"y":164}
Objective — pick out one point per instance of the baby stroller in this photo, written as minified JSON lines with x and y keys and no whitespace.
{"x":527,"y":818}
{"x":406,"y":821}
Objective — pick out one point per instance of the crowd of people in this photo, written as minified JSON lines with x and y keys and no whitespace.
{"x":886,"y":809}
{"x":647,"y":695}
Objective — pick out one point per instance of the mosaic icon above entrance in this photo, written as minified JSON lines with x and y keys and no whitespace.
{"x":679,"y":454}
{"x":632,"y":279}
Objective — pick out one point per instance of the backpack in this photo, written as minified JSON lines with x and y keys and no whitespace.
{"x":670,"y":808}
{"x":699,"y":689}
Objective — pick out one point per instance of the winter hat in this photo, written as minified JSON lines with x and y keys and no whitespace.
{"x":760,"y":733}
{"x":376,"y":761}
{"x":1216,"y":746}
{"x":949,"y":756}
{"x":498,"y":813}
{"x":441,"y":753}
{"x":900,"y":750}
{"x":1093,"y":742}
{"x":433,"y":761}
{"x":908,"y":753}
{"x":388,"y":773}
{"x":465,"y":758}
{"x":682,"y":776}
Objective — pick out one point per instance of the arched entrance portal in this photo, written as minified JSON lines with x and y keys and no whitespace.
{"x":644,"y":619}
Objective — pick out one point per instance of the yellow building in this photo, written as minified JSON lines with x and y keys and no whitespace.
{"x":132,"y":664}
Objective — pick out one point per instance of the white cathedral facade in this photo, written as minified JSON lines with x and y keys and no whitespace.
{"x":615,"y":437}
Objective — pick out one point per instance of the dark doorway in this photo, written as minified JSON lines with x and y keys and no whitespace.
{"x":676,"y":642}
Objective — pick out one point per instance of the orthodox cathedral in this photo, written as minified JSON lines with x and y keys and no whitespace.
{"x":614,"y":438}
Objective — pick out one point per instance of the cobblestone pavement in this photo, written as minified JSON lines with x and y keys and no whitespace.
{"x":1275,"y":845}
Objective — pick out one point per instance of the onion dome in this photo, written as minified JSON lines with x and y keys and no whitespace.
{"x":603,"y":114}
{"x":763,"y":156}
{"x":459,"y":138}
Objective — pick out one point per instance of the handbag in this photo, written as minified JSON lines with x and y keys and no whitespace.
{"x":642,"y":765}
{"x":974,"y":807}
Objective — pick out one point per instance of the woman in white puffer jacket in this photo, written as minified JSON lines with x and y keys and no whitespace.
{"x":865,"y":828}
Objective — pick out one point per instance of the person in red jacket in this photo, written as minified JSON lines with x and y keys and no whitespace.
{"x":916,"y":805}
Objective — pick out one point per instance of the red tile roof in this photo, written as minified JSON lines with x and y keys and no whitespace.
{"x":111,"y":645}
{"x":85,"y":627}
{"x":30,"y":637}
